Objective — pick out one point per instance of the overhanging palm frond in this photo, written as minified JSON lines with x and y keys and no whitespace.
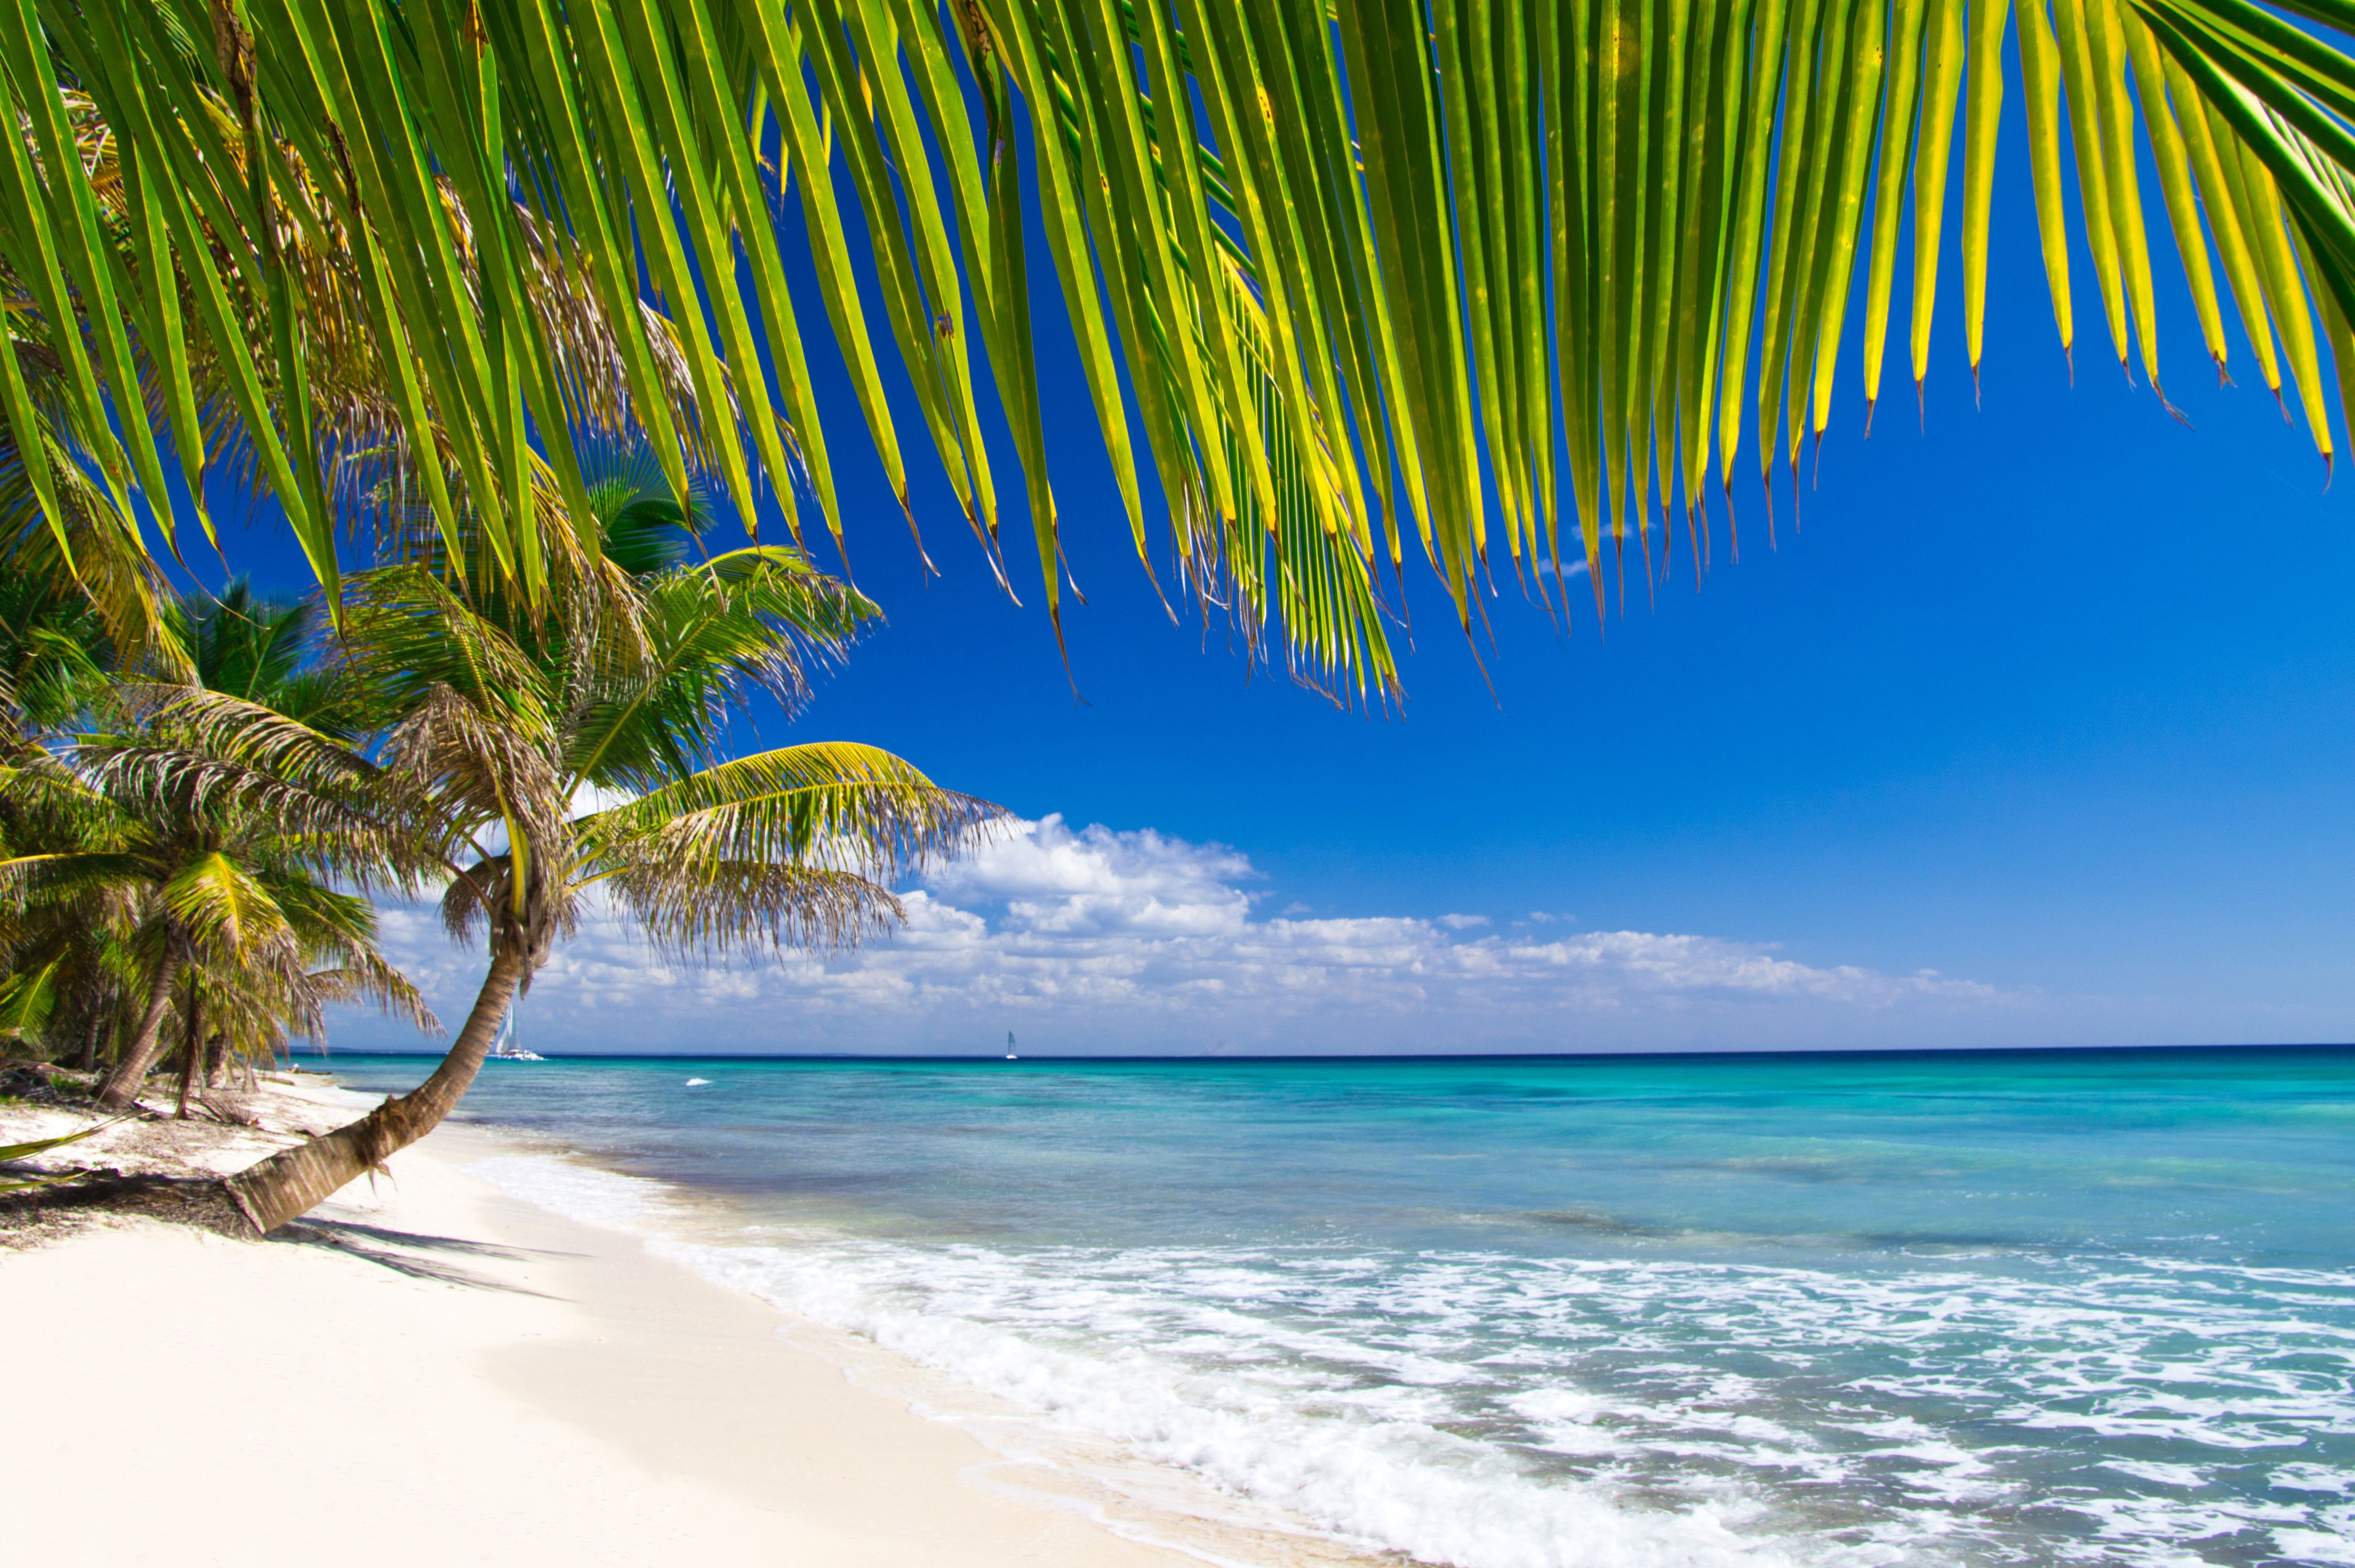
{"x":1360,"y":268}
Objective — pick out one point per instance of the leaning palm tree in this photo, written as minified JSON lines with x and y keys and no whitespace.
{"x":1360,"y":266}
{"x":569,"y":752}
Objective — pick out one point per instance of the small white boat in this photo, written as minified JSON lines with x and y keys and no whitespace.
{"x":1009,"y":1046}
{"x":504,"y":1047}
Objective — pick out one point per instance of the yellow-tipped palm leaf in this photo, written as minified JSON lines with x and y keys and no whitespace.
{"x":1468,"y":240}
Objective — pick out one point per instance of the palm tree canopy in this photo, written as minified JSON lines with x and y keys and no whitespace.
{"x":127,"y":858}
{"x":578,"y":738}
{"x":1360,"y":266}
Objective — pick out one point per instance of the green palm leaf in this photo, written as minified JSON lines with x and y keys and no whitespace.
{"x":223,"y":904}
{"x":1360,"y":268}
{"x":11,"y":1153}
{"x":830,"y":805}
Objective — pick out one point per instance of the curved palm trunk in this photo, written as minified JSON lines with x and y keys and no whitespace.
{"x":288,"y":1183}
{"x":122,"y":1086}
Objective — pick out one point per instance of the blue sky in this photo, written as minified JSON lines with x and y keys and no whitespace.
{"x":2053,"y":699}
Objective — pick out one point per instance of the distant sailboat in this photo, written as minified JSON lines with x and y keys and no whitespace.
{"x":1009,"y":1046}
{"x":504,"y":1047}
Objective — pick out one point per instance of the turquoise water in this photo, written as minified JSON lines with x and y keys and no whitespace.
{"x":2092,"y":1307}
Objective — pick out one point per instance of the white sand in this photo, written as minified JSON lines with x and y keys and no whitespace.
{"x":482,"y":1382}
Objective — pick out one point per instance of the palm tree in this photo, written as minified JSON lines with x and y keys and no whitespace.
{"x":1360,"y":263}
{"x":572,"y":748}
{"x":188,"y":875}
{"x":228,"y":1012}
{"x":110,"y":873}
{"x":265,"y":651}
{"x":69,"y":965}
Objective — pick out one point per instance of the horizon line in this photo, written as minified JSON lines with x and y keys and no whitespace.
{"x":992,"y":1054}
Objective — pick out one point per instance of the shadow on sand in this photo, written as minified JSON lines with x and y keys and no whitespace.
{"x":412,"y":1254}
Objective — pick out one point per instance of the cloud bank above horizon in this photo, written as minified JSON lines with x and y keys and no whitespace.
{"x":1099,"y":941}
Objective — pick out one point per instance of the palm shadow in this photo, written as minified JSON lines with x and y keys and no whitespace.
{"x":414,"y":1253}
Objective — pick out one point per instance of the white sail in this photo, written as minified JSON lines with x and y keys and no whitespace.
{"x":504,"y":1047}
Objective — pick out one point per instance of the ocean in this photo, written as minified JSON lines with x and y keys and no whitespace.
{"x":2051,"y":1307}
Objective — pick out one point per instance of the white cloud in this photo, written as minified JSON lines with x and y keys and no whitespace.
{"x":1093,"y":940}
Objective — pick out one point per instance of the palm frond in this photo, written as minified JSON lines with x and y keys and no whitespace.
{"x":694,"y":910}
{"x":11,"y":1153}
{"x":747,"y":621}
{"x":220,"y":903}
{"x":834,"y":806}
{"x":1361,"y":268}
{"x":365,"y":977}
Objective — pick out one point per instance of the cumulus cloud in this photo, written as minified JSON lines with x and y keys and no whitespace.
{"x":1096,"y":940}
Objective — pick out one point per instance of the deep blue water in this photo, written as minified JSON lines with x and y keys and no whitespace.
{"x":2063,"y":1308}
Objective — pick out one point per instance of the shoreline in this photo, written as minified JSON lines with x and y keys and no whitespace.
{"x":490,"y":1381}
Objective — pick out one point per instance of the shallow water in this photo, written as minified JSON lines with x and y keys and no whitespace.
{"x":2092,"y":1308}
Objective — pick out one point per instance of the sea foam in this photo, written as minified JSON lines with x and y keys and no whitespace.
{"x":1366,"y":1463}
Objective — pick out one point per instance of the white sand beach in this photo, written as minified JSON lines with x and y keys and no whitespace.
{"x":441,"y":1373}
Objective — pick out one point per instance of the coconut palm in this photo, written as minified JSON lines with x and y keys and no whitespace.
{"x":569,"y":750}
{"x":265,"y":650}
{"x":227,"y":1013}
{"x":1361,"y":264}
{"x":110,"y":871}
{"x":69,"y":970}
{"x":188,"y":874}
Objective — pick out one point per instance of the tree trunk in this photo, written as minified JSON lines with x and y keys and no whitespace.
{"x":193,"y":1051}
{"x":87,"y":1060}
{"x":215,"y":1064}
{"x":122,"y":1086}
{"x":290,"y":1182}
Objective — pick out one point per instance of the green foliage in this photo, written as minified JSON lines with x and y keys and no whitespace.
{"x":519,"y":716}
{"x":1350,"y":270}
{"x":118,"y":867}
{"x":11,"y":1153}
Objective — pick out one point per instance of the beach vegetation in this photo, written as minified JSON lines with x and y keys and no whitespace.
{"x":140,"y":882}
{"x":137,"y":833}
